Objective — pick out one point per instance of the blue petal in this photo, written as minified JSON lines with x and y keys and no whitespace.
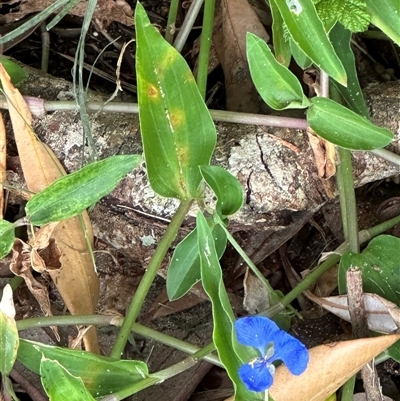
{"x":291,"y":352}
{"x":256,"y":375}
{"x":256,"y":331}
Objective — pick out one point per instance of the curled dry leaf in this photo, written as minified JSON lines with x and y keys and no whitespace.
{"x":77,"y":281}
{"x":330,"y":366}
{"x":23,"y":259}
{"x":2,"y":163}
{"x":383,"y":316}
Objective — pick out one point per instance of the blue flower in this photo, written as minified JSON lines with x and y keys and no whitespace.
{"x":273,"y":344}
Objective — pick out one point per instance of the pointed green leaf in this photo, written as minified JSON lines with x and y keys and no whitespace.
{"x":60,"y":385}
{"x":75,"y":192}
{"x":344,"y":128}
{"x":278,"y":87}
{"x":17,"y":73}
{"x":9,"y":339}
{"x":226,"y":187}
{"x":101,"y":375}
{"x":309,"y":34}
{"x":184,"y":269}
{"x":7,"y":236}
{"x":379,"y":263}
{"x":230,"y":352}
{"x":178,"y":133}
{"x":385,"y":14}
{"x":281,"y":44}
{"x":352,"y":94}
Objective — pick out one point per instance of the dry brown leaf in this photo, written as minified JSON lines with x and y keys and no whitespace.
{"x":324,"y":153}
{"x":256,"y":296}
{"x":163,"y":307}
{"x":106,"y":11}
{"x":3,"y":155}
{"x":77,"y":281}
{"x":21,"y":266}
{"x":234,"y":19}
{"x":330,"y":366}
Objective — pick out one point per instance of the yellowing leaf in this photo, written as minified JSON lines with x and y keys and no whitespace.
{"x":77,"y":281}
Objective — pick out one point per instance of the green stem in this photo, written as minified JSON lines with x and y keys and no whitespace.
{"x":348,"y":389}
{"x":205,"y":46}
{"x":347,"y":196}
{"x":347,"y":199}
{"x":148,"y":277}
{"x":275,"y":299}
{"x":105,"y":320}
{"x":170,"y":30}
{"x":364,"y":236}
{"x":162,"y":375}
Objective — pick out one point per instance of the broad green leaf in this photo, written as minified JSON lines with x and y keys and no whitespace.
{"x":16,"y":72}
{"x":309,"y":34}
{"x":184,"y":269}
{"x":385,"y":14}
{"x":75,"y":192}
{"x":100,"y":375}
{"x":7,"y":236}
{"x":9,"y":339}
{"x":379,"y":263}
{"x":178,"y":133}
{"x":230,"y":352}
{"x":226,"y":187}
{"x":282,"y":50}
{"x":344,"y":128}
{"x":340,"y":38}
{"x":352,"y":14}
{"x":278,"y":87}
{"x":60,"y":385}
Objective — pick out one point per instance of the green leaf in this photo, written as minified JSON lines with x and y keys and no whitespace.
{"x":340,"y":38}
{"x":278,"y":87}
{"x":226,"y":187}
{"x":7,"y":236}
{"x":178,"y":133}
{"x":281,"y":44}
{"x":230,"y":352}
{"x":60,"y":385}
{"x":344,"y":128}
{"x":75,"y":192}
{"x":17,"y":73}
{"x":385,"y":14}
{"x":100,"y":375}
{"x":309,"y":34}
{"x":184,"y":269}
{"x":352,"y":14}
{"x":394,"y":351}
{"x":9,"y":339}
{"x":379,"y":263}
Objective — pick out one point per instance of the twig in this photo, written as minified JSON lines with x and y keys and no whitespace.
{"x":31,"y":390}
{"x":360,"y":330}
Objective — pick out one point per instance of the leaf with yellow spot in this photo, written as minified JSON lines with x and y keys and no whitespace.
{"x":178,"y":133}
